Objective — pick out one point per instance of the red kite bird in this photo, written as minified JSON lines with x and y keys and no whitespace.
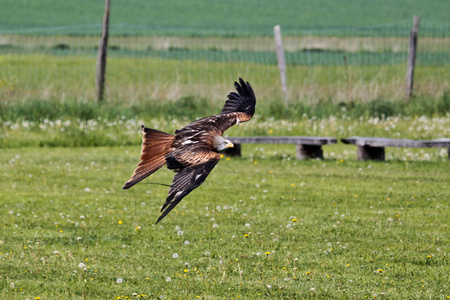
{"x":194,"y":149}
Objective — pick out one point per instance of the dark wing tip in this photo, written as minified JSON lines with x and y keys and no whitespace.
{"x":170,"y":204}
{"x":242,"y":101}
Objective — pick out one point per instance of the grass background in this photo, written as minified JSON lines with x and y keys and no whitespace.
{"x":197,"y":17}
{"x":290,"y":227}
{"x":141,"y":81}
{"x":337,"y":228}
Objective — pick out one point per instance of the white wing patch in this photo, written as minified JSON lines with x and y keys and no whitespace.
{"x":187,"y":142}
{"x":196,"y":177}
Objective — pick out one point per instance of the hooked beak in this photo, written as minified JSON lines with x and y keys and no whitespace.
{"x":230,"y":145}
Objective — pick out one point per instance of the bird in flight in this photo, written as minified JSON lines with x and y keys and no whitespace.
{"x":192,"y":151}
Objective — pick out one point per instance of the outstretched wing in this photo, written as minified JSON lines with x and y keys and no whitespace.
{"x":192,"y":165}
{"x":239,"y":107}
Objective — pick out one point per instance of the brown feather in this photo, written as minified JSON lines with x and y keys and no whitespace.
{"x":155,"y":146}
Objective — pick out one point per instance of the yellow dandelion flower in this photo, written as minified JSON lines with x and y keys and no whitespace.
{"x":428,"y":256}
{"x":221,"y":155}
{"x":267,"y":253}
{"x":294,"y":220}
{"x":270,"y":131}
{"x":246,"y":235}
{"x":120,"y":222}
{"x":293,"y":185}
{"x":228,"y":158}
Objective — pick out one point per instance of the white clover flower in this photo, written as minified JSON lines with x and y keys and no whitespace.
{"x":168,"y":279}
{"x":180,"y":232}
{"x":215,"y":225}
{"x":186,"y":242}
{"x":87,"y":190}
{"x":119,"y":280}
{"x":175,"y":255}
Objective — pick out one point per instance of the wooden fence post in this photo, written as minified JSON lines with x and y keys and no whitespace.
{"x":281,"y":61}
{"x":412,"y":57}
{"x":101,"y":55}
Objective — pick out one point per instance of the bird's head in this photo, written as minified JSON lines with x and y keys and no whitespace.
{"x":222,"y":144}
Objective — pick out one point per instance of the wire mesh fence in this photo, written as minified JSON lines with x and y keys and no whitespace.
{"x":223,"y":57}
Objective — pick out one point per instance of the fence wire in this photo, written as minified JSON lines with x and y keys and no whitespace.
{"x":212,"y":52}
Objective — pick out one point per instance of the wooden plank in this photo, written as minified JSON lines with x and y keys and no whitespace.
{"x":412,"y":57}
{"x":281,"y":62}
{"x":388,"y":142}
{"x":442,"y":142}
{"x":303,"y":140}
{"x":101,"y":55}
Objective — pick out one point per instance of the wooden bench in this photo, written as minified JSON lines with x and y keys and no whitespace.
{"x":372,"y":148}
{"x":307,"y":147}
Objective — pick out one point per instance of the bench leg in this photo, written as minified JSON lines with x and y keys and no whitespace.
{"x":235,"y":151}
{"x":370,"y":153}
{"x":309,"y":151}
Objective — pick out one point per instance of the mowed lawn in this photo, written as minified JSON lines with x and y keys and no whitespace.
{"x":261,"y":226}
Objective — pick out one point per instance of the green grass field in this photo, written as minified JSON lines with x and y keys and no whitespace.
{"x":230,"y":18}
{"x":262,"y":226}
{"x":140,"y":80}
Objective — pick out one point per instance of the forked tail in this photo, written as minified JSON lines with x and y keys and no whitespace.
{"x":155,"y":145}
